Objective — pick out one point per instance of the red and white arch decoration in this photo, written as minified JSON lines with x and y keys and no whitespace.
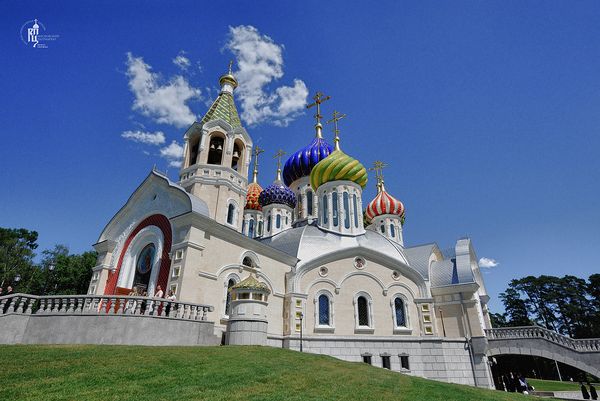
{"x":384,"y":203}
{"x":162,"y":223}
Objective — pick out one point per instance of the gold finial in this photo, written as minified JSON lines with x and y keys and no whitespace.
{"x":230,"y":66}
{"x":337,"y":116}
{"x":278,"y":156}
{"x":257,"y":151}
{"x":378,"y":167}
{"x":318,"y":99}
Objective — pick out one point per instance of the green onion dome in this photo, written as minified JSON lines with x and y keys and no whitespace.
{"x":338,"y":166}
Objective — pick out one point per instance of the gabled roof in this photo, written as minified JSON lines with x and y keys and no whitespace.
{"x":223,"y":108}
{"x":418,"y":256}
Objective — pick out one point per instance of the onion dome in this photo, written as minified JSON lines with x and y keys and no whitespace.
{"x":254,"y":191}
{"x":301,"y":163}
{"x":278,"y":192}
{"x":384,"y":203}
{"x":338,"y":166}
{"x":251,"y":283}
{"x":228,"y":78}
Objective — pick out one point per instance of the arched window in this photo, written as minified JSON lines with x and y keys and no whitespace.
{"x":244,"y":227}
{"x":346,"y":210}
{"x":194,"y":145}
{"x":364,"y":318}
{"x":278,"y":221}
{"x":251,"y":228}
{"x":325,"y":211}
{"x":215,"y":150}
{"x":393,"y":231}
{"x":399,"y":312}
{"x":334,"y":201}
{"x":355,"y":211}
{"x":236,"y":156}
{"x":230,"y":283}
{"x":324,"y":310}
{"x":230,"y":213}
{"x":260,"y":228}
{"x":269,"y":224}
{"x":382,"y":229}
{"x":309,"y":202}
{"x":247,"y":261}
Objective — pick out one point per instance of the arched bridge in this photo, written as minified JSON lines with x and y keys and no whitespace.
{"x":538,"y":341}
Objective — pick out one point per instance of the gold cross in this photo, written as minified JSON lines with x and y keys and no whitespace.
{"x":337,"y":116}
{"x":318,"y":98}
{"x":378,"y":167}
{"x":257,"y":151}
{"x":280,"y":153}
{"x":230,"y":65}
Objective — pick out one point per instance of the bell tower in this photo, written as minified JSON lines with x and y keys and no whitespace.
{"x":216,"y":157}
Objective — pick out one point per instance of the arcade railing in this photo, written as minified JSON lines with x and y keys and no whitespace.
{"x":536,"y":332}
{"x":102,"y":305}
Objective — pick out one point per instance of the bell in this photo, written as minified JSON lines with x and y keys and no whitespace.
{"x":212,"y":146}
{"x":236,"y":154}
{"x":220,"y":147}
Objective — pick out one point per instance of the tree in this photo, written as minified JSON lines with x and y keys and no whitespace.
{"x":16,"y":253}
{"x":71,"y":273}
{"x":516,"y":309}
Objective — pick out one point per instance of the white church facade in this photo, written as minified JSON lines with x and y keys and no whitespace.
{"x":305,"y":262}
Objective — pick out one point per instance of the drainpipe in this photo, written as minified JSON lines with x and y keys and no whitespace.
{"x":468,"y":338}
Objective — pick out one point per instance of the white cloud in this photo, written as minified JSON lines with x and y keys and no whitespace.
{"x":182,"y":61}
{"x":165,"y":102}
{"x":173,"y":153}
{"x":148,"y":138}
{"x":488,"y":263}
{"x":260,"y":62}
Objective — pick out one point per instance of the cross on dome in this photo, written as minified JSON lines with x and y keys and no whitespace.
{"x":337,"y":116}
{"x":318,"y":99}
{"x":378,"y":167}
{"x":257,"y":151}
{"x":280,"y":153}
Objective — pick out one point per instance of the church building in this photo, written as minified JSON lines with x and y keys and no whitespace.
{"x":304,"y":262}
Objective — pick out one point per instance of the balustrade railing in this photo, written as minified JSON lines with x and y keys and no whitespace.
{"x":535,"y":332}
{"x":102,"y":305}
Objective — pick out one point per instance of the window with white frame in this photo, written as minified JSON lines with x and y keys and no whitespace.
{"x":230,"y":213}
{"x":324,"y":310}
{"x":176,"y":271}
{"x":179,"y":254}
{"x":362,"y":311}
{"x":230,"y":282}
{"x":399,"y":304}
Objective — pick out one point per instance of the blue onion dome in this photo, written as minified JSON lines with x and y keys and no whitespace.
{"x":277,"y":192}
{"x":301,"y":163}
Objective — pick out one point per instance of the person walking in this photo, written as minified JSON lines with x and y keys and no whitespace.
{"x":593,"y":392}
{"x":584,"y":392}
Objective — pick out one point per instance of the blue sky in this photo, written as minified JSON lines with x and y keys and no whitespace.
{"x":486,"y":112}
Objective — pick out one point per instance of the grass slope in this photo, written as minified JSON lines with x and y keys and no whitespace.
{"x":554,"y":385}
{"x":208,"y":373}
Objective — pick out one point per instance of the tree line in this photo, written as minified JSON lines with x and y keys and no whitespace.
{"x":57,"y":272}
{"x":569,"y":305}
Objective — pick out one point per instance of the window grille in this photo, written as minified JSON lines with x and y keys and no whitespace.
{"x":399,"y":312}
{"x":363,"y":312}
{"x":324,"y":310}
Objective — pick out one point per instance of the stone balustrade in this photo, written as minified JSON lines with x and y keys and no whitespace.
{"x":26,"y":304}
{"x":536,"y":332}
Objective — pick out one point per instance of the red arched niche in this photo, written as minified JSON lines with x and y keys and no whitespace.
{"x":164,"y":225}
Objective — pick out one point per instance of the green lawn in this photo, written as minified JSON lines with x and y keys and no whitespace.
{"x":208,"y":373}
{"x":553,"y":385}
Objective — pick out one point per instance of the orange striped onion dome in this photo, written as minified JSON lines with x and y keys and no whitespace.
{"x":254,"y":191}
{"x":384,"y":203}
